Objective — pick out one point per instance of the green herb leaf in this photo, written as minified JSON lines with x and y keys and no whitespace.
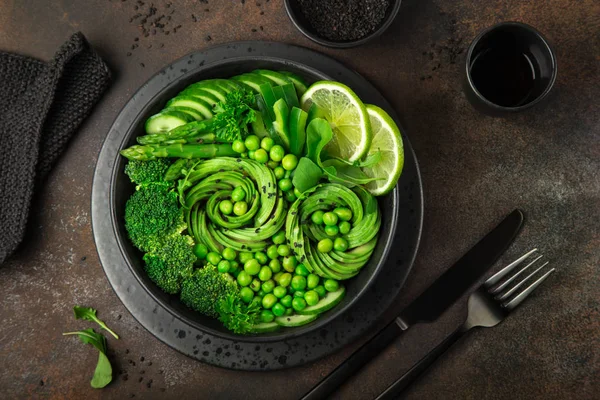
{"x":307,"y":175}
{"x":236,"y":315}
{"x":103,"y":372}
{"x":89,"y":314}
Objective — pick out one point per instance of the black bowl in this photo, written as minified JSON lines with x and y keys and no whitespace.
{"x":121,"y":189}
{"x":303,"y":25}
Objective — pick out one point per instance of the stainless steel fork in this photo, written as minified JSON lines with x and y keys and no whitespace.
{"x":488,"y":306}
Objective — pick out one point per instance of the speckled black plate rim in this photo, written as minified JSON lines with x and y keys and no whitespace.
{"x":248,"y":355}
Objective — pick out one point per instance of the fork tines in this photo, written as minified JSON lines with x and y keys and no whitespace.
{"x":500,"y":292}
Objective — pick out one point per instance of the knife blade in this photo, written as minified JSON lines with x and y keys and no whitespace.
{"x":430,"y":304}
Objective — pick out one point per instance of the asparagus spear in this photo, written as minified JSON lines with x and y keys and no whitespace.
{"x":188,"y":133}
{"x":150,"y":152}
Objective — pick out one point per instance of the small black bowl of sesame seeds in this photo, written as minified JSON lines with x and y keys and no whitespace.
{"x":342,"y":23}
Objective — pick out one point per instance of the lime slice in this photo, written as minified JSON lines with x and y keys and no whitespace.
{"x":346,"y":114}
{"x":387,"y":139}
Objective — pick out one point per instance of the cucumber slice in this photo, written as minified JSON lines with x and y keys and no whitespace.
{"x":194,"y":113}
{"x":276,"y":77}
{"x":265,"y":327}
{"x":296,"y":320}
{"x":278,"y":92}
{"x":252,"y":80}
{"x":166,"y":121}
{"x":330,"y":300}
{"x":299,"y":82}
{"x":193,"y":102}
{"x":211,"y":94}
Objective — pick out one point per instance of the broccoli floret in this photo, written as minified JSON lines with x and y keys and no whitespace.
{"x":146,"y":172}
{"x":171,"y":262}
{"x":152,"y":213}
{"x":204,"y":290}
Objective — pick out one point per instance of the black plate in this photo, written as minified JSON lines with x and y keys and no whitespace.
{"x":152,"y":308}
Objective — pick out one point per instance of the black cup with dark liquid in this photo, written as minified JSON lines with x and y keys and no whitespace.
{"x":509,"y":67}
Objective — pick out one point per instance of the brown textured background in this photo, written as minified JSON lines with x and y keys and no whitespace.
{"x":475,"y":169}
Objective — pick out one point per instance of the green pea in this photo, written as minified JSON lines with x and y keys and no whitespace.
{"x":340,"y":244}
{"x":260,"y":293}
{"x":285,"y":185}
{"x":311,"y":297}
{"x":286,"y":300}
{"x":285,"y":279}
{"x":312,"y":281}
{"x":278,"y":309}
{"x":276,"y":153}
{"x":321,"y":291}
{"x":256,"y":302}
{"x":261,"y":257}
{"x":268,"y":286}
{"x":317,"y":217}
{"x":226,"y":207}
{"x":275,"y":265}
{"x":279,"y":172}
{"x":251,"y":154}
{"x":240,"y":208}
{"x":244,"y":279}
{"x":245,"y":256}
{"x":213,"y":258}
{"x":299,"y":293}
{"x":302,"y":270}
{"x":234,"y":265}
{"x":343,"y":213}
{"x":252,"y":267}
{"x":272,"y":252}
{"x":288,"y":312}
{"x":279,"y":292}
{"x":267,"y":143}
{"x":265,"y":273}
{"x":289,"y":263}
{"x":229,"y":254}
{"x":331,"y":285}
{"x":261,"y":156}
{"x":298,"y":282}
{"x":238,"y":194}
{"x":289,"y":162}
{"x":223,"y":266}
{"x":272,"y":164}
{"x":246,"y":294}
{"x":255,"y":285}
{"x":252,"y":142}
{"x":344,"y":227}
{"x":297,"y":193}
{"x":276,"y":276}
{"x":266,"y":316}
{"x":331,"y":230}
{"x":289,"y":196}
{"x":298,"y":304}
{"x":200,"y":250}
{"x":325,"y":245}
{"x":283,"y":250}
{"x":238,"y":146}
{"x":269,"y":300}
{"x":244,"y":155}
{"x":279,"y":237}
{"x":330,"y":218}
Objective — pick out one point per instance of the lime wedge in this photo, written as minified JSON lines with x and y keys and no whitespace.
{"x":387,"y":139}
{"x":346,"y":114}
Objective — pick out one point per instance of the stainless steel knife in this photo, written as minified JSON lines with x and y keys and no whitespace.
{"x":430,"y":304}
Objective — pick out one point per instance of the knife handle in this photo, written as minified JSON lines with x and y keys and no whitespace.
{"x":356,"y":361}
{"x":393,"y":391}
